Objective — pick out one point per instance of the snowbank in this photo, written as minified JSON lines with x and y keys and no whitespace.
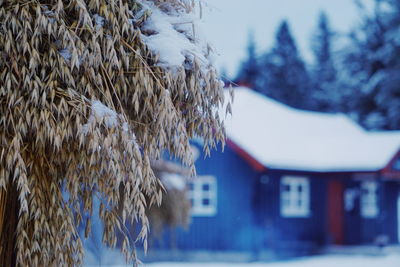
{"x":392,"y":260}
{"x":322,"y":261}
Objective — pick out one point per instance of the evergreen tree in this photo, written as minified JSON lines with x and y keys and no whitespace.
{"x":249,"y":70}
{"x":326,"y":96}
{"x":372,"y":66}
{"x":284,"y":76}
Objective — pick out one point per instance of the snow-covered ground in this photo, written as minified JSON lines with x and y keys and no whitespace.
{"x":392,"y":260}
{"x":320,"y":261}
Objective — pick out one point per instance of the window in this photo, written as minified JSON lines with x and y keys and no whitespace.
{"x":350,"y":196}
{"x":203,"y":196}
{"x":369,"y":199}
{"x":295,"y":196}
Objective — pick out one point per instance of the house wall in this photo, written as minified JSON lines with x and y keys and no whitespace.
{"x":248,"y":211}
{"x":291,"y":233}
{"x":248,"y":216}
{"x":352,"y":217}
{"x":390,"y":194}
{"x":232,"y":228}
{"x":372,"y":227}
{"x":359,"y":230}
{"x":389,"y":214}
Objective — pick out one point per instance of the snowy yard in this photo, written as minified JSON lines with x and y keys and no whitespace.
{"x":320,"y":261}
{"x":392,"y":260}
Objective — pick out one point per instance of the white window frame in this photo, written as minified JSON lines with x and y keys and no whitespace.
{"x":294,"y":202}
{"x":197,"y":194}
{"x":369,"y":199}
{"x":350,"y":197}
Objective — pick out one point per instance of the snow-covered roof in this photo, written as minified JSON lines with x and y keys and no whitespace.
{"x":279,"y":136}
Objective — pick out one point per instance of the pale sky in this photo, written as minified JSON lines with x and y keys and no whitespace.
{"x":226,"y":24}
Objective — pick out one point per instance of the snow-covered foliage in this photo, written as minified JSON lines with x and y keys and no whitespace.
{"x":279,"y":73}
{"x":89,"y":98}
{"x":325,"y":93}
{"x":249,"y":70}
{"x":175,"y":36}
{"x":372,"y":68}
{"x":101,"y":112}
{"x":285,"y":77}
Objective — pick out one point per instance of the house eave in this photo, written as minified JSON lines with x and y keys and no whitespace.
{"x":253,"y":162}
{"x":323,"y":170}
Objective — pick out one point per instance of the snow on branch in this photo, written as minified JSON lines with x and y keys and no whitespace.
{"x":174,"y":35}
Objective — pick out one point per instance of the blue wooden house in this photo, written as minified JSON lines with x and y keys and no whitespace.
{"x":290,"y":182}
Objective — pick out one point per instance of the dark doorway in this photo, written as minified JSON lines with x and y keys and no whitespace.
{"x":335,"y":212}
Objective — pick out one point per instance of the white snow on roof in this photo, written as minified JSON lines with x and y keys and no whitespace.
{"x":282,"y":137}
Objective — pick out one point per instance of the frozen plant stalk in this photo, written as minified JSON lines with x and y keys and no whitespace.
{"x":85,"y":105}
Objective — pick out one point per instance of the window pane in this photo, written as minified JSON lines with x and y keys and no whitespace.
{"x":364,"y":191}
{"x":204,"y":195}
{"x":300,"y":203}
{"x":300,"y":188}
{"x":206,"y":201}
{"x":286,"y":188}
{"x":286,"y":202}
{"x":206,"y":187}
{"x":295,"y":198}
{"x":369,"y":199}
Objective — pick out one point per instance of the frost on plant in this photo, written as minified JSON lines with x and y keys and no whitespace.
{"x":89,"y":98}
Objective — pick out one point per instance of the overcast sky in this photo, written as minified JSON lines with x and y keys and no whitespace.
{"x":227,"y":23}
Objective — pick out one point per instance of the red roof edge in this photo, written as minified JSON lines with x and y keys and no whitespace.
{"x":255,"y":164}
{"x":244,"y":84}
{"x":388,"y":171}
